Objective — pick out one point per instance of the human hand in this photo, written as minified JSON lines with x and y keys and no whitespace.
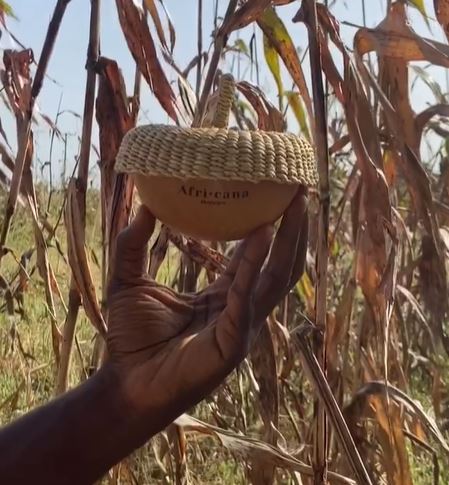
{"x":171,"y":350}
{"x":166,"y":353}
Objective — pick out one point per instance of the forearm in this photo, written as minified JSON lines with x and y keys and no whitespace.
{"x":76,"y":438}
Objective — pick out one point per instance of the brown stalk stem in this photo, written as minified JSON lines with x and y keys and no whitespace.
{"x":319,"y":101}
{"x":221,"y":38}
{"x":200,"y":47}
{"x":136,"y":93}
{"x":220,"y":42}
{"x":83,"y":170}
{"x":24,"y":137}
{"x":137,"y":83}
{"x":321,"y":386}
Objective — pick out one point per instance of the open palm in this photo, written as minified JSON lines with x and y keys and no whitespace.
{"x":174,"y":348}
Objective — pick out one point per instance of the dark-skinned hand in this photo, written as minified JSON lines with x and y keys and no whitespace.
{"x":166,"y":353}
{"x":173,"y":349}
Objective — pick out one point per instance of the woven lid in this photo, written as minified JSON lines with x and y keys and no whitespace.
{"x":217,"y":153}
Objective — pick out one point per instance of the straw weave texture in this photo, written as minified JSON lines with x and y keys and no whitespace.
{"x":226,"y":93}
{"x":217,"y":153}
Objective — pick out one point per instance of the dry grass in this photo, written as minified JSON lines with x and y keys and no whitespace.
{"x":349,"y":378}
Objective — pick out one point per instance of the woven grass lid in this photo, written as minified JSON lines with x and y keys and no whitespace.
{"x":216,"y":152}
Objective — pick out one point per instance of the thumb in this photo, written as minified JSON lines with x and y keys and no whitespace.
{"x":132,"y":246}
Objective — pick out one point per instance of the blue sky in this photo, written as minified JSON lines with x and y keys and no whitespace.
{"x":67,"y":63}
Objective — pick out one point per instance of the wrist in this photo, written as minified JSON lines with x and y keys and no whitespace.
{"x":111,"y":383}
{"x":110,"y":419}
{"x":75,"y":438}
{"x":128,"y":392}
{"x":145,"y":401}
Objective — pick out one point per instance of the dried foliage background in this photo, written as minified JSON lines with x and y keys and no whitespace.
{"x":348,"y":382}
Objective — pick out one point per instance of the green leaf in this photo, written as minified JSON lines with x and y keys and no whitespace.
{"x":6,"y":9}
{"x":272,"y":58}
{"x":305,"y":290}
{"x":420,"y":6}
{"x":274,"y":29}
{"x":446,"y":146}
{"x":297,"y":106}
{"x":240,"y":45}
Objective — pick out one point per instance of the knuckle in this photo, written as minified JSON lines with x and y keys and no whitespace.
{"x":231,"y":343}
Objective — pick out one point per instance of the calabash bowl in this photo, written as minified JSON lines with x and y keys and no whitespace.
{"x":216,"y":184}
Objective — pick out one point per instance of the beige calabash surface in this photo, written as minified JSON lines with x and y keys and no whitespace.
{"x":214,"y":210}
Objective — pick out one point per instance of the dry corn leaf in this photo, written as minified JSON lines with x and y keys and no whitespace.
{"x":413,"y":302}
{"x":4,"y":180}
{"x":284,"y":351}
{"x":328,"y":25}
{"x":433,"y":286}
{"x":114,"y":120}
{"x":78,"y":259}
{"x":141,"y":45}
{"x":42,"y":260}
{"x":321,"y":386}
{"x":374,"y":214}
{"x":247,"y":13}
{"x":412,"y":407}
{"x":4,"y":135}
{"x":16,"y":79}
{"x":405,"y":137}
{"x":343,"y":314}
{"x":392,"y":441}
{"x":395,"y":39}
{"x":18,"y":86}
{"x":424,"y":75}
{"x":158,"y":251}
{"x":178,"y":446}
{"x":376,"y":261}
{"x":263,"y":361}
{"x":269,"y":117}
{"x":188,"y":98}
{"x":331,"y":71}
{"x":254,"y":449}
{"x":7,"y":158}
{"x":426,"y":115}
{"x":151,"y":6}
{"x":393,"y":70}
{"x":171,"y":27}
{"x":203,"y":255}
{"x":54,"y":128}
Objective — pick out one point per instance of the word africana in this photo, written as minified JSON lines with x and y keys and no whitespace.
{"x":205,"y":194}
